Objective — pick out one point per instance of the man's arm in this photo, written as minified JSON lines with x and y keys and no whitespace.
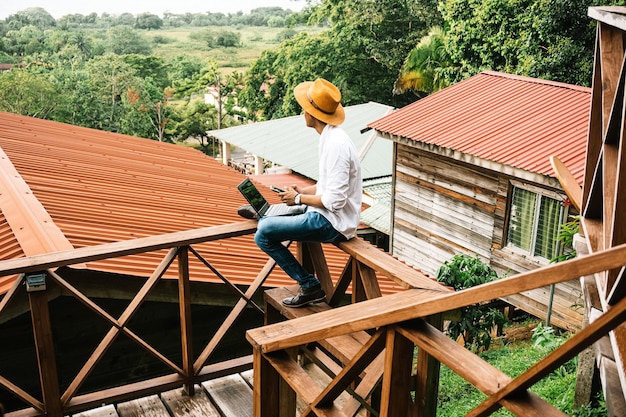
{"x":307,"y":196}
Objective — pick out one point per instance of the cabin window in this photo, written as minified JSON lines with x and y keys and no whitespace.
{"x":534,"y":222}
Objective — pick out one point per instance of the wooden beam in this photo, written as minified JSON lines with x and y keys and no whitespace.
{"x":387,"y":265}
{"x":119,"y":326}
{"x":235,"y":312}
{"x":315,"y":255}
{"x":396,"y":395}
{"x":184,"y":305}
{"x":369,"y":282}
{"x":588,"y":335}
{"x":347,"y":276}
{"x":352,"y":370}
{"x":427,"y":380}
{"x":48,"y":375}
{"x":265,"y":393}
{"x":473,"y":369}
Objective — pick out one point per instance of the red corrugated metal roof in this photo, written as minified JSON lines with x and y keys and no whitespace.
{"x":100,"y":187}
{"x":508,"y":119}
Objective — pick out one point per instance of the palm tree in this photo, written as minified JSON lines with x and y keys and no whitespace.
{"x":423,"y":68}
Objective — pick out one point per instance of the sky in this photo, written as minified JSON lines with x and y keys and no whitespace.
{"x":58,"y":8}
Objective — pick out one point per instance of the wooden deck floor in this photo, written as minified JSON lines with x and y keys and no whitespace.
{"x":229,"y":396}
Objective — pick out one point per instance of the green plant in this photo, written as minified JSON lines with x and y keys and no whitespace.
{"x":566,"y":237}
{"x":477,"y":321}
{"x":543,"y":337}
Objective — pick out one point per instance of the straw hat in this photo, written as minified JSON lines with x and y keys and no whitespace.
{"x":322,"y":100}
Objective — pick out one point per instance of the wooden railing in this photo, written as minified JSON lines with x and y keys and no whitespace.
{"x":38,"y":275}
{"x":368,"y":345}
{"x":398,"y":323}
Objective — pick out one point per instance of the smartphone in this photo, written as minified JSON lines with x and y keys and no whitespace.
{"x":276,"y":189}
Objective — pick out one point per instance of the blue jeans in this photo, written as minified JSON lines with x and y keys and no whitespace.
{"x":310,"y":226}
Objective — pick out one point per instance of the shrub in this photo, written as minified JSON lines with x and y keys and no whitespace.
{"x":477,"y":321}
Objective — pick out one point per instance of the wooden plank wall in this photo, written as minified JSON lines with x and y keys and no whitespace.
{"x":444,"y":207}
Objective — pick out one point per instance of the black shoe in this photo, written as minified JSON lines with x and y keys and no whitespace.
{"x":247,"y":211}
{"x":306,"y":296}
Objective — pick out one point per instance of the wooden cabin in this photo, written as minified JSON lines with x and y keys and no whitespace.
{"x":472,"y":175}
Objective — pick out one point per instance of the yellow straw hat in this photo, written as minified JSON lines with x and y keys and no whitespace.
{"x":322,"y":100}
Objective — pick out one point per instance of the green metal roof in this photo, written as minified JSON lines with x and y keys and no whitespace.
{"x":289,"y":142}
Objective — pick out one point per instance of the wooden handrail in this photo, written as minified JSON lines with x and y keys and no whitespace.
{"x":126,"y":247}
{"x":381,"y":262}
{"x":417,"y":303}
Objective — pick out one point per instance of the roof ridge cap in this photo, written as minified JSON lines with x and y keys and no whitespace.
{"x":537,"y":81}
{"x":28,"y":219}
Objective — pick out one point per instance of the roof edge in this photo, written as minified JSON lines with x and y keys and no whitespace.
{"x":537,"y":81}
{"x":517,"y":173}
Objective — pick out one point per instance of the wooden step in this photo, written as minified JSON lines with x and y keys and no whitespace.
{"x":330,"y":354}
{"x":343,"y":348}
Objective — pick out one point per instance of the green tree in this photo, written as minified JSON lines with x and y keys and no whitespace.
{"x":550,"y":39}
{"x":28,"y":94}
{"x":32,"y":16}
{"x":148,"y":112}
{"x":149,"y":67}
{"x":148,"y":21}
{"x":122,"y":40}
{"x":109,"y":79}
{"x":361,"y":53}
{"x":27,"y":40}
{"x":196,"y":120}
{"x":424,"y":70}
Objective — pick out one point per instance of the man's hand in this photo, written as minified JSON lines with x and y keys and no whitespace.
{"x":289,"y":196}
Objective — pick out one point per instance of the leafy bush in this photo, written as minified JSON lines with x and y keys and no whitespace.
{"x":566,"y":237}
{"x":543,"y":338}
{"x":477,"y":321}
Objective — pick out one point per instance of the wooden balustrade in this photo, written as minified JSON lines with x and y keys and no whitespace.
{"x":366,"y":347}
{"x":365,"y":264}
{"x":399,"y":322}
{"x":55,"y":401}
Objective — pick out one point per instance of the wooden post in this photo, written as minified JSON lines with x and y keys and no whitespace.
{"x":272,"y":396}
{"x":184,"y":300}
{"x":396,"y":394}
{"x":42,"y":331}
{"x":428,"y":369}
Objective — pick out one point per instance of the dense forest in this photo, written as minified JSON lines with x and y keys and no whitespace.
{"x":107,"y":71}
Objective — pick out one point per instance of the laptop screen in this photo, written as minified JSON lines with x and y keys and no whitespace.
{"x":250,"y":192}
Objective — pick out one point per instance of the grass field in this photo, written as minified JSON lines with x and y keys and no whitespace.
{"x":254,"y":40}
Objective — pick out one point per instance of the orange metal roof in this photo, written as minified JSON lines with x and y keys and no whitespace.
{"x":508,"y":119}
{"x":76,"y":187}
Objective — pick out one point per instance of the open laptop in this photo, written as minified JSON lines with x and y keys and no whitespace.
{"x":260,"y":204}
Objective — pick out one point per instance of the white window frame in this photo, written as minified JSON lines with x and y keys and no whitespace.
{"x":563,"y":215}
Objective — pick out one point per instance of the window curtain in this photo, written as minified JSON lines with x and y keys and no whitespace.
{"x":522,"y":218}
{"x":548,"y":228}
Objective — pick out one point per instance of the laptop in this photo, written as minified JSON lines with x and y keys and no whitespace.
{"x":260,"y":204}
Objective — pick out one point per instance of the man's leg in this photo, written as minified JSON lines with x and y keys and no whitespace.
{"x":311,"y":227}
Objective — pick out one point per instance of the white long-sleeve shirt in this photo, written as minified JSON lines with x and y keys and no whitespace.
{"x":339,"y":183}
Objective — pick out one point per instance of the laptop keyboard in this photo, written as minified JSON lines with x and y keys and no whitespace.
{"x":279,"y":209}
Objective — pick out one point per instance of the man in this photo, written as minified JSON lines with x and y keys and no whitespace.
{"x":334,"y":203}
